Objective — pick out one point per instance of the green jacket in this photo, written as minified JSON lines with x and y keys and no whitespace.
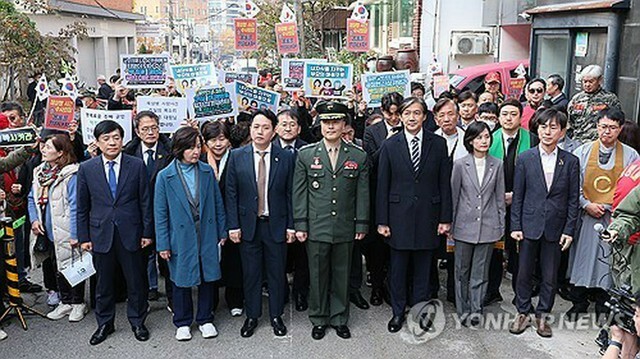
{"x":331,"y":206}
{"x":626,"y":222}
{"x":15,"y":158}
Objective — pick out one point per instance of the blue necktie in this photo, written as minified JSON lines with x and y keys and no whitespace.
{"x":112,"y":179}
{"x":151,"y":164}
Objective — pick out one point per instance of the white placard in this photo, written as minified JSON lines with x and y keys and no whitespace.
{"x":172,"y":111}
{"x":90,"y":118}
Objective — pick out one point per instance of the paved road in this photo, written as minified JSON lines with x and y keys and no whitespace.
{"x":61,"y":339}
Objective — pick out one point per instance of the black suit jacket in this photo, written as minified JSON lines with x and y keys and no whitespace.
{"x":537,"y":211}
{"x":411,"y":204}
{"x":297,"y":144}
{"x":98,"y":213}
{"x":561,"y":103}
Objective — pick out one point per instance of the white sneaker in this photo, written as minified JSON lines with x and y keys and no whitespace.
{"x":3,"y":335}
{"x":236,"y":312}
{"x":183,"y":334}
{"x":53,"y":298}
{"x":61,"y":311}
{"x":208,"y":330}
{"x":78,"y":312}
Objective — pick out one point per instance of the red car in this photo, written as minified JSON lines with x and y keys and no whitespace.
{"x":472,"y":78}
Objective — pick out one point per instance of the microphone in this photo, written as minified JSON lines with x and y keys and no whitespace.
{"x":602,"y":232}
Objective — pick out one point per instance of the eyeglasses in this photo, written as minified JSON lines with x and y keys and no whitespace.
{"x":536,"y":90}
{"x":611,"y":128}
{"x":151,"y":129}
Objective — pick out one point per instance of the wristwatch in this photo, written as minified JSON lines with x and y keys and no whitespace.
{"x":615,"y":344}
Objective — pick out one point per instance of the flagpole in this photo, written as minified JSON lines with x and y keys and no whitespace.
{"x":33,"y":107}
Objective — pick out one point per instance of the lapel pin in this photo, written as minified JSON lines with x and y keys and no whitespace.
{"x":276,"y":159}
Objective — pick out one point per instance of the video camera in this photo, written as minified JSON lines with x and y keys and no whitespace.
{"x":622,"y":306}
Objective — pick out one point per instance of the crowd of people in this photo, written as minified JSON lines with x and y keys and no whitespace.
{"x":291,"y":203}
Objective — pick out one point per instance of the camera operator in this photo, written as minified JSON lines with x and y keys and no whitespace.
{"x":624,"y":344}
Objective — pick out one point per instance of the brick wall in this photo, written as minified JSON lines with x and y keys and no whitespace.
{"x":122,"y":5}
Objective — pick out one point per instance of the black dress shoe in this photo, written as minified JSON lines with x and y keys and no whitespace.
{"x":342,"y":331}
{"x":279,"y":329}
{"x":376,"y":297}
{"x":395,"y":324}
{"x":141,"y":333}
{"x":153,"y":295}
{"x":358,"y":301}
{"x":101,"y":334}
{"x":301,"y":302}
{"x":490,"y":299}
{"x":318,"y":332}
{"x":27,"y":287}
{"x":249,"y":326}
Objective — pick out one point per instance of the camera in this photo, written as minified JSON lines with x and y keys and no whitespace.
{"x":622,"y":306}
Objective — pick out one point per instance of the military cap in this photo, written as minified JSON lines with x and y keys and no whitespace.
{"x":332,"y":110}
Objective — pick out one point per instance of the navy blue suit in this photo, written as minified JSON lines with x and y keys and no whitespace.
{"x":263,"y":241}
{"x":412,"y":205}
{"x":543,"y":216}
{"x":115,"y":227}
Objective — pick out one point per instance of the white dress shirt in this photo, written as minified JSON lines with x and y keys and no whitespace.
{"x":505,"y":141}
{"x":548,"y":164}
{"x":145,"y":155}
{"x":116,"y":166}
{"x":480,"y":167}
{"x":256,"y":163}
{"x":455,"y":148}
{"x":410,"y":138}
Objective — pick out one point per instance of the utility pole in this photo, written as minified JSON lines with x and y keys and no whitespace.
{"x":300,"y":21}
{"x":171,"y":29}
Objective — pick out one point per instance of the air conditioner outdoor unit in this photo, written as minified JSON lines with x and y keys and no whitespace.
{"x":471,"y":43}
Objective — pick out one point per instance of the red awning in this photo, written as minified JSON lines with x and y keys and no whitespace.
{"x":580,"y":6}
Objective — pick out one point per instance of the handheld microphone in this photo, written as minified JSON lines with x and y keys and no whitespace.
{"x":602,"y":232}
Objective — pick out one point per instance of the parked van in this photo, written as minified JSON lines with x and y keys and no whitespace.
{"x":472,"y":78}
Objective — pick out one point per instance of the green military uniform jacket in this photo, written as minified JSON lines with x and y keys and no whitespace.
{"x":626,"y":222}
{"x":332,"y":206}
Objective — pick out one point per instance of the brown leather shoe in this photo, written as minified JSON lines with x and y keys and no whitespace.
{"x":542,"y":328}
{"x":520,"y":324}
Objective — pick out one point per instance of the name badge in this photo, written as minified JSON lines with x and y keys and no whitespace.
{"x":316,"y":165}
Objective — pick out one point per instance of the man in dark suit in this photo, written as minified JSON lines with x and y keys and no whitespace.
{"x":154,"y":149}
{"x":376,"y":250}
{"x":544,"y":213}
{"x":115,"y":222}
{"x":288,"y":138}
{"x":509,"y":141}
{"x":413,"y":205}
{"x":260,"y":218}
{"x":555,"y":85}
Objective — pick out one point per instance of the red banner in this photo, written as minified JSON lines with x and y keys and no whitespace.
{"x":246,"y":34}
{"x":357,"y":36}
{"x":287,"y":37}
{"x":60,"y":112}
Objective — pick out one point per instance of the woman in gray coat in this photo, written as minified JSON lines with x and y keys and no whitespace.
{"x":477,"y":186}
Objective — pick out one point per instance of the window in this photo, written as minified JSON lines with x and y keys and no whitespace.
{"x":402,"y":12}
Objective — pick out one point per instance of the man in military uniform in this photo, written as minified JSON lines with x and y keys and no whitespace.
{"x":331,"y":209}
{"x":585,"y":106}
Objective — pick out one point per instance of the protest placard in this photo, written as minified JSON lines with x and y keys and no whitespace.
{"x":172,"y":111}
{"x":214,"y":102}
{"x":440,"y":85}
{"x":17,"y":137}
{"x":193,"y":76}
{"x":327,"y":80}
{"x":144,"y":71}
{"x":90,"y":118}
{"x":246,"y":31}
{"x":60,"y":112}
{"x":375,"y":85}
{"x":252,"y":98}
{"x":287,"y":38}
{"x":293,"y":73}
{"x":516,"y":85}
{"x":226,"y":77}
{"x":357,"y":35}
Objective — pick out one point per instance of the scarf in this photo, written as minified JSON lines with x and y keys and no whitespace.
{"x":46,"y":177}
{"x":497,"y":149}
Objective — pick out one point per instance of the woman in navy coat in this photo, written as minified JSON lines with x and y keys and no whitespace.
{"x":190,"y":222}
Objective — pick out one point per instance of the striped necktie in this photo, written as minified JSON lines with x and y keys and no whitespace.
{"x":415,"y":154}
